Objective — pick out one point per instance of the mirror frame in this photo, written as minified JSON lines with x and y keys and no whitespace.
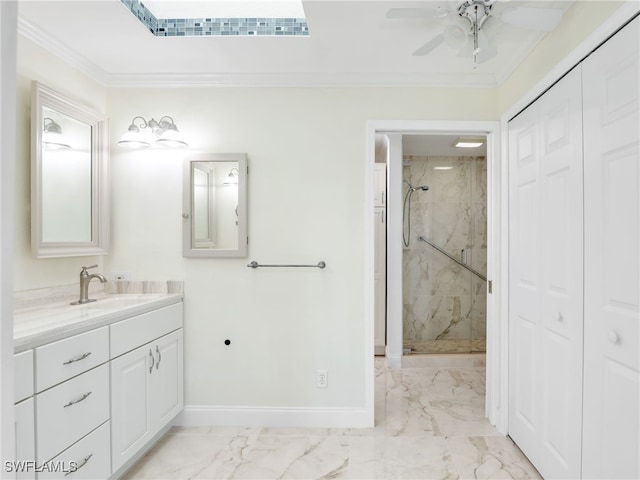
{"x":42,"y":96}
{"x":187,"y":213}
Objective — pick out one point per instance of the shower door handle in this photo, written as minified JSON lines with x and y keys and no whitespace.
{"x":463,"y":256}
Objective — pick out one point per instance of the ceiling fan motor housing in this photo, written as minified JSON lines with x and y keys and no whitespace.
{"x":476,"y":11}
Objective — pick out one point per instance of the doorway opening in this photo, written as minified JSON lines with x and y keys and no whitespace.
{"x":444,"y":213}
{"x":419,"y":277}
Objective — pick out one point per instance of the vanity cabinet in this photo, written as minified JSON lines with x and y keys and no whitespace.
{"x":146,"y":383}
{"x":87,"y":406}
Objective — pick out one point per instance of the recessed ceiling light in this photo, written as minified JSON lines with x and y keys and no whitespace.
{"x":469,"y":142}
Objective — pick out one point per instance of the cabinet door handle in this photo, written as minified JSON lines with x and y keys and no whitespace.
{"x":80,"y":465}
{"x":153,"y":361}
{"x":159,"y":357}
{"x":81,"y":357}
{"x":73,"y":402}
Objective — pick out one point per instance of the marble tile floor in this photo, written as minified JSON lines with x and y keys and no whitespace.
{"x":429,"y":425}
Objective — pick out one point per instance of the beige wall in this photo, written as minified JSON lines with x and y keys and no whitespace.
{"x":576,"y":25}
{"x":306,"y":150}
{"x":35,"y":63}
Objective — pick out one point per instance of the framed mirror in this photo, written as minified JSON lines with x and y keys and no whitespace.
{"x":215,"y":205}
{"x":69,"y":177}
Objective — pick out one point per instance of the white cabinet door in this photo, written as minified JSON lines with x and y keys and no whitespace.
{"x":166,"y":379}
{"x":146,"y":394}
{"x":612,"y":379}
{"x":545,"y":319}
{"x":380,"y":280}
{"x":25,"y":438}
{"x":131,"y":426}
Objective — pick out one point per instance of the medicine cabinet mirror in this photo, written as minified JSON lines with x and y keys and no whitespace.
{"x":69,"y":177}
{"x":215,"y":205}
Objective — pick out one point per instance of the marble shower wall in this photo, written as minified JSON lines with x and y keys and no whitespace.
{"x":445,"y":304}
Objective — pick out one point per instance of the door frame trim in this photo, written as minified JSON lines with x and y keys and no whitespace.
{"x":496,"y":391}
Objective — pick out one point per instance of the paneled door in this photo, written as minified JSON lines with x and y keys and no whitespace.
{"x":131,"y":422}
{"x":612,"y":215}
{"x":167,"y":391}
{"x":546,"y":297}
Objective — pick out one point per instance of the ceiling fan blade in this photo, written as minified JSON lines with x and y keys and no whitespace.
{"x":533,"y":18}
{"x":486,"y":51}
{"x":429,"y":46}
{"x":429,"y":13}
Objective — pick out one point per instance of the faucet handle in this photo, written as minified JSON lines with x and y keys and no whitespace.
{"x":84,"y":269}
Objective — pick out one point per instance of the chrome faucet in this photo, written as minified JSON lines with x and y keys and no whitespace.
{"x":85,"y":278}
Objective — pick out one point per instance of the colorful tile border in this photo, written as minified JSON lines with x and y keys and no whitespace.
{"x":196,"y":27}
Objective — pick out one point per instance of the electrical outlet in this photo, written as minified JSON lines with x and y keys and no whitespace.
{"x":115,"y":276}
{"x":322,"y":379}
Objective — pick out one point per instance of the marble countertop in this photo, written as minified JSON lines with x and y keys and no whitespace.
{"x":45,"y":323}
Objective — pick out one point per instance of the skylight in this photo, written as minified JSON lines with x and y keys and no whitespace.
{"x":165,"y":18}
{"x":225,"y":8}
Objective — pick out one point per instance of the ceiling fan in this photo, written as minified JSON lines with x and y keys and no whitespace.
{"x":475,"y":13}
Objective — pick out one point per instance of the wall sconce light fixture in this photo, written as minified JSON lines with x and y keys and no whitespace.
{"x":52,"y":138}
{"x":232,"y":178}
{"x":162,"y":133}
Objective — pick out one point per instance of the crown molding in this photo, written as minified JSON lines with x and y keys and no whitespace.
{"x":304,"y":79}
{"x":254,"y":79}
{"x":62,"y":51}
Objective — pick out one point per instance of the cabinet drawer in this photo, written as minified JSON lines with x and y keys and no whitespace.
{"x":25,"y":441}
{"x":129,"y":334}
{"x":23,"y":368}
{"x":67,"y":358}
{"x":88,"y":459}
{"x":70,"y":410}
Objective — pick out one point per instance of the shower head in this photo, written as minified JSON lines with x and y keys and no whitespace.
{"x":424,"y":188}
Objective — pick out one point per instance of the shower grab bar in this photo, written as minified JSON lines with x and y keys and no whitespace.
{"x":463,"y":265}
{"x":255,"y":264}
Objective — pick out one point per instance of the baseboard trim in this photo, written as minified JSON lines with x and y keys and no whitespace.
{"x":205,"y":415}
{"x":394,"y":360}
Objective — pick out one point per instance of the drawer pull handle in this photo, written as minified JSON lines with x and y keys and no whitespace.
{"x":81,"y":357}
{"x":80,"y":465}
{"x":153,"y":361}
{"x":159,"y":357}
{"x":73,"y":402}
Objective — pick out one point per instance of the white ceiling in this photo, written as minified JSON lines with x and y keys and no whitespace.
{"x":350,"y":43}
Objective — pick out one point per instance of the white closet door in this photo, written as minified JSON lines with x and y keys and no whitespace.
{"x":546,"y":235}
{"x":612,"y":215}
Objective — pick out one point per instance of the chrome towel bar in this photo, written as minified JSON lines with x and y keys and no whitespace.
{"x":255,"y":264}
